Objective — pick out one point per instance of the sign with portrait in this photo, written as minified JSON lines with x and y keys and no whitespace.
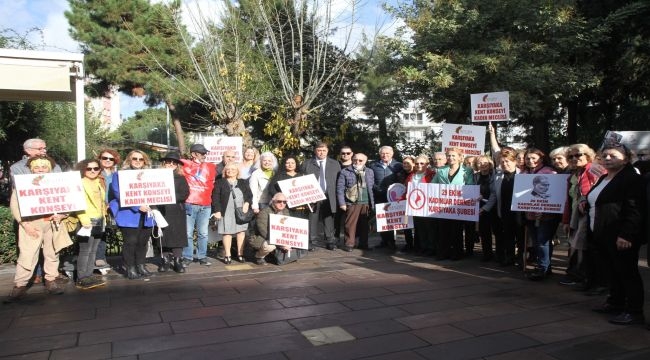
{"x":392,"y":216}
{"x":49,"y":193}
{"x":217,"y":145}
{"x":288,"y":231}
{"x":469,"y":138}
{"x":146,"y":187}
{"x":301,"y":190}
{"x":634,"y":140}
{"x":541,"y":193}
{"x":494,"y":106}
{"x":445,"y":201}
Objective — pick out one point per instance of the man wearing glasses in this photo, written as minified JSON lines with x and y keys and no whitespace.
{"x":354,"y":193}
{"x":261,"y":240}
{"x":31,"y":147}
{"x":345,"y":160}
{"x":387,"y":171}
{"x":200,"y":176}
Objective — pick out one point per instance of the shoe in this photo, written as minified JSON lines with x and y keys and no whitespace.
{"x":537,"y":275}
{"x":227,"y":260}
{"x":204,"y":262}
{"x":100,"y":263}
{"x":241,"y":259}
{"x":348,"y":248}
{"x":260,"y":261}
{"x":17,"y":293}
{"x":37,"y":279}
{"x":62,"y":280}
{"x":186,"y":262}
{"x":132,"y":273}
{"x":607,"y":308}
{"x":53,"y":288}
{"x":89,"y":283}
{"x":626,"y":318}
{"x":597,"y":291}
{"x":142,"y":270}
{"x":567,"y":281}
{"x":331,"y":247}
{"x":165,"y":264}
{"x":178,"y":265}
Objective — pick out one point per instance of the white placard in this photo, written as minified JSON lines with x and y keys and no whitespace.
{"x":634,"y":140}
{"x":146,"y":187}
{"x":392,"y":216}
{"x":445,"y":201}
{"x":288,"y":231}
{"x":470,"y":138}
{"x":301,"y":190}
{"x":49,"y":193}
{"x":493,"y":106}
{"x":217,"y":145}
{"x":541,"y":193}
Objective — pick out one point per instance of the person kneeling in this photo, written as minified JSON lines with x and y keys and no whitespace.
{"x":261,"y":240}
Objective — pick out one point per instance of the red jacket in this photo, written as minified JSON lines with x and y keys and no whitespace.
{"x":200,"y":178}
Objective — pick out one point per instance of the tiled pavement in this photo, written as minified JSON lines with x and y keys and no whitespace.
{"x":329,"y":305}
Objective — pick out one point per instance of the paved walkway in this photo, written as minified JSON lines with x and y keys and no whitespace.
{"x":330,"y":305}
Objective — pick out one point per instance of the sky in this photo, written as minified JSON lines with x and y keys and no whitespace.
{"x":48,"y":16}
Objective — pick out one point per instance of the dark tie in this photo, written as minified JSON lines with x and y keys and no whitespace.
{"x":321,"y":178}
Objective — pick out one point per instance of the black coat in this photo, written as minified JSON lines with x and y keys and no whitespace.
{"x":221,"y":193}
{"x":175,"y":235}
{"x":332,"y":168}
{"x":619,"y":209}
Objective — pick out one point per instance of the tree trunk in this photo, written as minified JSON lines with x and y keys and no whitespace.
{"x":178,"y":129}
{"x":236,"y":127}
{"x":383,"y":132}
{"x":572,"y":122}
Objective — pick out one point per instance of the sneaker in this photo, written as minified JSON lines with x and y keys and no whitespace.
{"x":100,"y":263}
{"x":89,"y":283}
{"x":260,"y":261}
{"x":205,"y":262}
{"x":186,"y":262}
{"x":53,"y":288}
{"x":17,"y":293}
{"x":568,"y":281}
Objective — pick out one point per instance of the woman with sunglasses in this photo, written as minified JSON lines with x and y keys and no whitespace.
{"x":91,"y":219}
{"x":133,"y":221}
{"x":175,"y":235}
{"x":108,"y":160}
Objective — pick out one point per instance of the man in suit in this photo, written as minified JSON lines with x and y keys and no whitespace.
{"x":326,"y":171}
{"x":387,"y":171}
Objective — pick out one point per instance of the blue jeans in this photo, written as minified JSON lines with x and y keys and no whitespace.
{"x":197,"y":216}
{"x":542,"y":236}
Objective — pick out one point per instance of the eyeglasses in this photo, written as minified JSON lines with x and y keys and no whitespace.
{"x":575,"y":156}
{"x":280,"y":201}
{"x":420,"y":163}
{"x":168,"y":162}
{"x":346,"y":153}
{"x":137,"y":159}
{"x":108,"y":158}
{"x":96,"y":168}
{"x":358,"y":160}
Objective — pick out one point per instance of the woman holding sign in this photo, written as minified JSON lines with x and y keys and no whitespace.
{"x":133,"y":221}
{"x":615,"y":208}
{"x":290,"y":171}
{"x":450,"y":237}
{"x":34,"y":233}
{"x":230,"y":193}
{"x":423,"y":240}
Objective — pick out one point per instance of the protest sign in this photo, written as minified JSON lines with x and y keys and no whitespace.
{"x":542,"y":193}
{"x":301,"y":190}
{"x":146,"y":187}
{"x":634,"y":140}
{"x":396,"y":192}
{"x":445,"y":201}
{"x":493,"y":106}
{"x":217,"y":145}
{"x":288,"y":231}
{"x":49,"y":193}
{"x":392,"y":216}
{"x":469,"y":138}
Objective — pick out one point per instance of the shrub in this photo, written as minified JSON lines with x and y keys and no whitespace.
{"x":8,"y":249}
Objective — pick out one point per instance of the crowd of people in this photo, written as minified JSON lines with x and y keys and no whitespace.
{"x":605,"y":216}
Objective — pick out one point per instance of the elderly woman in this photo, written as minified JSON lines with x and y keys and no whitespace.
{"x":175,"y":235}
{"x":615,"y":208}
{"x":250,"y":163}
{"x":559,"y":160}
{"x":408,"y":164}
{"x":451,"y":231}
{"x":230,"y":193}
{"x":133,"y":221}
{"x":488,"y":219}
{"x":109,"y":160}
{"x":580,"y":157}
{"x":34,"y":233}
{"x":92,"y":219}
{"x":259,"y":181}
{"x":354,"y":194}
{"x":261,"y":240}
{"x":423,"y":226}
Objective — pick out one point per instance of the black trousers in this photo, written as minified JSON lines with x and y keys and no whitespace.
{"x":626,"y":285}
{"x":134,"y":248}
{"x":322,"y":215}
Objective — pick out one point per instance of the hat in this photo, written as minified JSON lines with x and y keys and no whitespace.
{"x":172,"y":155}
{"x":199,"y":148}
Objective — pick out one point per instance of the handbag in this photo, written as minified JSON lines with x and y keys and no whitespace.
{"x":60,"y":237}
{"x":241,"y":217}
{"x":159,"y":219}
{"x":352,"y":193}
{"x":71,"y":223}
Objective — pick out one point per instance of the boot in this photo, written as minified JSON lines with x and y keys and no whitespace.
{"x":17,"y":293}
{"x":142,"y":270}
{"x":178,"y":265}
{"x":132,"y":273}
{"x":53,"y":288}
{"x":165,"y":263}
